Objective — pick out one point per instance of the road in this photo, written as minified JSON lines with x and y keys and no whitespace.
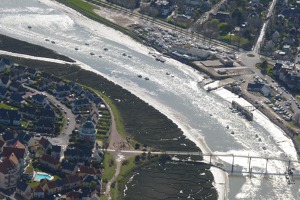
{"x":63,"y":138}
{"x":205,"y":16}
{"x":261,"y":36}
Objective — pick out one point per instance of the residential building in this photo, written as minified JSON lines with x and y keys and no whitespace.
{"x":50,"y":187}
{"x":5,"y":81}
{"x":56,"y":151}
{"x":28,"y":112}
{"x":45,"y":144}
{"x":88,"y":132}
{"x":3,"y":93}
{"x":71,"y":181}
{"x":39,"y":99}
{"x":9,"y":174}
{"x":50,"y":162}
{"x":44,"y":126}
{"x":24,"y":190}
{"x":68,"y":168}
{"x":10,"y":117}
{"x":32,"y":73}
{"x":39,"y":192}
{"x":84,"y":171}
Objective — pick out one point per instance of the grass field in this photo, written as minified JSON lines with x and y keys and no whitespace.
{"x":109,"y":166}
{"x":8,"y":107}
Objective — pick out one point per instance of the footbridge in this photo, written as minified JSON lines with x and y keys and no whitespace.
{"x":238,"y":165}
{"x":248,"y":164}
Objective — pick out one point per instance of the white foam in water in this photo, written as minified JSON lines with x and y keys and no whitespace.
{"x":202,"y":116}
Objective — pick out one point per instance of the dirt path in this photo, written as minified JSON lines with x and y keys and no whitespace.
{"x":117,"y":143}
{"x":109,"y":183}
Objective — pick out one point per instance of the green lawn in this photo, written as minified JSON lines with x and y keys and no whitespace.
{"x":33,"y":184}
{"x":236,"y":40}
{"x":83,"y":5}
{"x":103,"y":197}
{"x":8,"y":107}
{"x":109,"y":170}
{"x":268,"y":70}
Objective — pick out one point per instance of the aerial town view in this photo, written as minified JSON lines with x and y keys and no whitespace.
{"x":150,"y":99}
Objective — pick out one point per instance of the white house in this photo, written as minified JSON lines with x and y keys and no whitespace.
{"x":266,"y":90}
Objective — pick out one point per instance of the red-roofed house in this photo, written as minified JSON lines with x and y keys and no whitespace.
{"x":9,"y":174}
{"x":45,"y":144}
{"x":71,"y":181}
{"x":21,"y":155}
{"x":73,"y":196}
{"x":50,"y":187}
{"x":49,"y":161}
{"x":84,"y":170}
{"x":18,"y":144}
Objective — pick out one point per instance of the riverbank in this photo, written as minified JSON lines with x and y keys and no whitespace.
{"x":130,"y":110}
{"x":185,"y":68}
{"x":10,"y":44}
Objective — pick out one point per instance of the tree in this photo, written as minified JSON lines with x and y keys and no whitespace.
{"x":143,"y":156}
{"x":49,"y":151}
{"x":137,"y":158}
{"x":125,"y":162}
{"x":224,"y":28}
{"x":111,"y":162}
{"x":247,"y":34}
{"x":92,"y":185}
{"x":137,"y":146}
{"x":264,"y":64}
{"x":296,"y":119}
{"x":237,"y":17}
{"x":211,"y":28}
{"x":164,"y":158}
{"x":149,"y":155}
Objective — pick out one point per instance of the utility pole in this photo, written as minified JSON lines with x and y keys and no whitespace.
{"x":232,"y":164}
{"x":266,"y":166}
{"x":249,"y":164}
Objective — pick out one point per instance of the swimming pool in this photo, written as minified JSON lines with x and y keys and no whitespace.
{"x":39,"y":176}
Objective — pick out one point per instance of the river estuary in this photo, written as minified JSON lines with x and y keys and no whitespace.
{"x":203,"y":116}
